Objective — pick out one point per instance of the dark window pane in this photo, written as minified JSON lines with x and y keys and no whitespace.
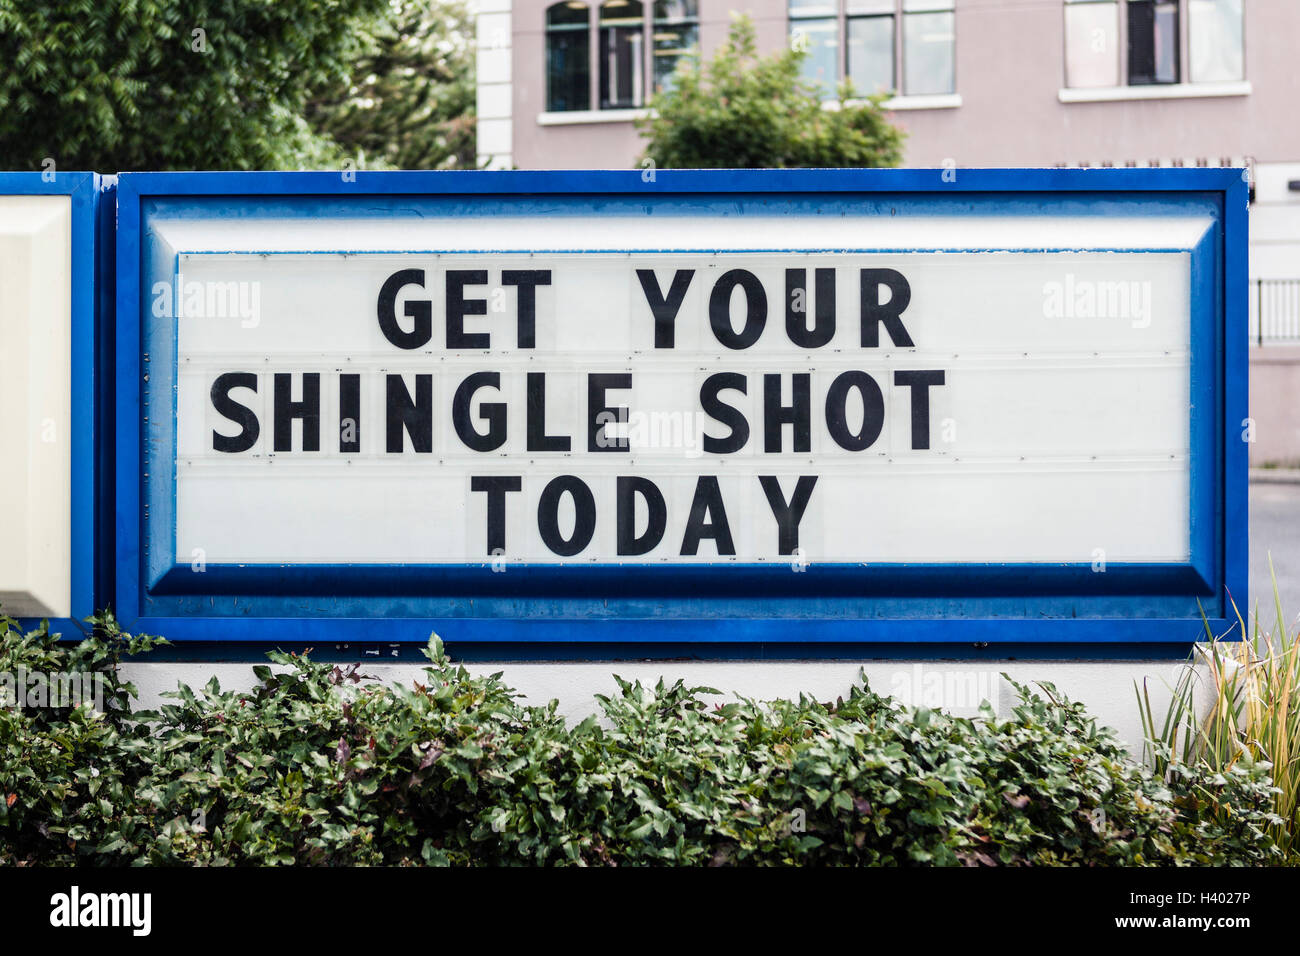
{"x":871,"y":54}
{"x":568,"y":57}
{"x":1152,"y":42}
{"x":622,"y":55}
{"x":572,"y":13}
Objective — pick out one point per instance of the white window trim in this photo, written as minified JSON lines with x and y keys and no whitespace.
{"x":936,"y":101}
{"x":944,"y":100}
{"x":585,"y":117}
{"x":933,"y":101}
{"x":1156,"y":91}
{"x":939,"y":101}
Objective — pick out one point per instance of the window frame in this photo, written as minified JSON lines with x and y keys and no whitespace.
{"x":652,"y":22}
{"x":620,"y":26}
{"x":1183,"y":51}
{"x":837,"y":18}
{"x":645,"y":60}
{"x":898,"y":13}
{"x":922,"y":8}
{"x":1187,"y":47}
{"x":895,"y":65}
{"x":547,"y":31}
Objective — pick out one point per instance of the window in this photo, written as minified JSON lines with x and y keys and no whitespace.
{"x":1092,"y":44}
{"x":817,"y":31}
{"x":1215,"y":41}
{"x":633,"y":40}
{"x":568,"y":57}
{"x":1152,"y":42}
{"x":1111,"y":43}
{"x":929,"y":47}
{"x":906,"y":46}
{"x":674,"y":35}
{"x":622,"y":55}
{"x":870,"y":51}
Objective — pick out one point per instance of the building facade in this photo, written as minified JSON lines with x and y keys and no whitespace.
{"x":976,"y":82}
{"x":973,"y":83}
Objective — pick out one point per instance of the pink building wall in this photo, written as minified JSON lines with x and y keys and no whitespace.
{"x":1012,"y":112}
{"x":1010,"y":71}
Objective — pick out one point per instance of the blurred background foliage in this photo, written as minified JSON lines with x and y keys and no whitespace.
{"x":410,"y":102}
{"x":116,"y":85}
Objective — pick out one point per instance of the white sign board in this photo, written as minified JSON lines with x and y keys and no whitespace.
{"x":36,"y":405}
{"x":680,"y":407}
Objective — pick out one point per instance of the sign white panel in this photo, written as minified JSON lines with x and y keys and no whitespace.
{"x":35,"y":396}
{"x":681,"y":407}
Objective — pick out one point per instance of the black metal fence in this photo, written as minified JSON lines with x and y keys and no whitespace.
{"x":1275,"y":311}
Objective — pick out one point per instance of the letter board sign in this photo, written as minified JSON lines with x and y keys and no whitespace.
{"x":775,"y":407}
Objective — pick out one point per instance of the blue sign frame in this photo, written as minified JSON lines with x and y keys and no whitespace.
{"x":91,"y":553}
{"x":843,"y":608}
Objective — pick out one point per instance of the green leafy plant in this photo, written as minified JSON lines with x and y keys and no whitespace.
{"x":148,"y":84}
{"x":410,"y":101}
{"x":68,"y":773}
{"x":742,"y":110}
{"x":320,"y":765}
{"x":1237,"y":705}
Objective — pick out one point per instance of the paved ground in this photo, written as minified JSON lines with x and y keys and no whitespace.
{"x":1275,"y":530}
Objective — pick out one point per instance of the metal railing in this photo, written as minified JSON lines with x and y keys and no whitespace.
{"x":1275,"y":311}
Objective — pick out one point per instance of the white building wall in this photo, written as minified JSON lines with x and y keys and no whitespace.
{"x":1275,"y":222}
{"x":494,"y":91}
{"x":1108,"y":688}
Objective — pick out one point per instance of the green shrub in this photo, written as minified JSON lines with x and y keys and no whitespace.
{"x":743,"y":110}
{"x":121,"y":85}
{"x":67,"y":773}
{"x":1238,"y":702}
{"x":318,"y":766}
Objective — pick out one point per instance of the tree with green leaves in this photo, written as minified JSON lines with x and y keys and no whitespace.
{"x":410,"y":104}
{"x":742,"y":110}
{"x":154,"y":84}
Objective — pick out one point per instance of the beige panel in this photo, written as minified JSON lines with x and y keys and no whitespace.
{"x":35,"y":405}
